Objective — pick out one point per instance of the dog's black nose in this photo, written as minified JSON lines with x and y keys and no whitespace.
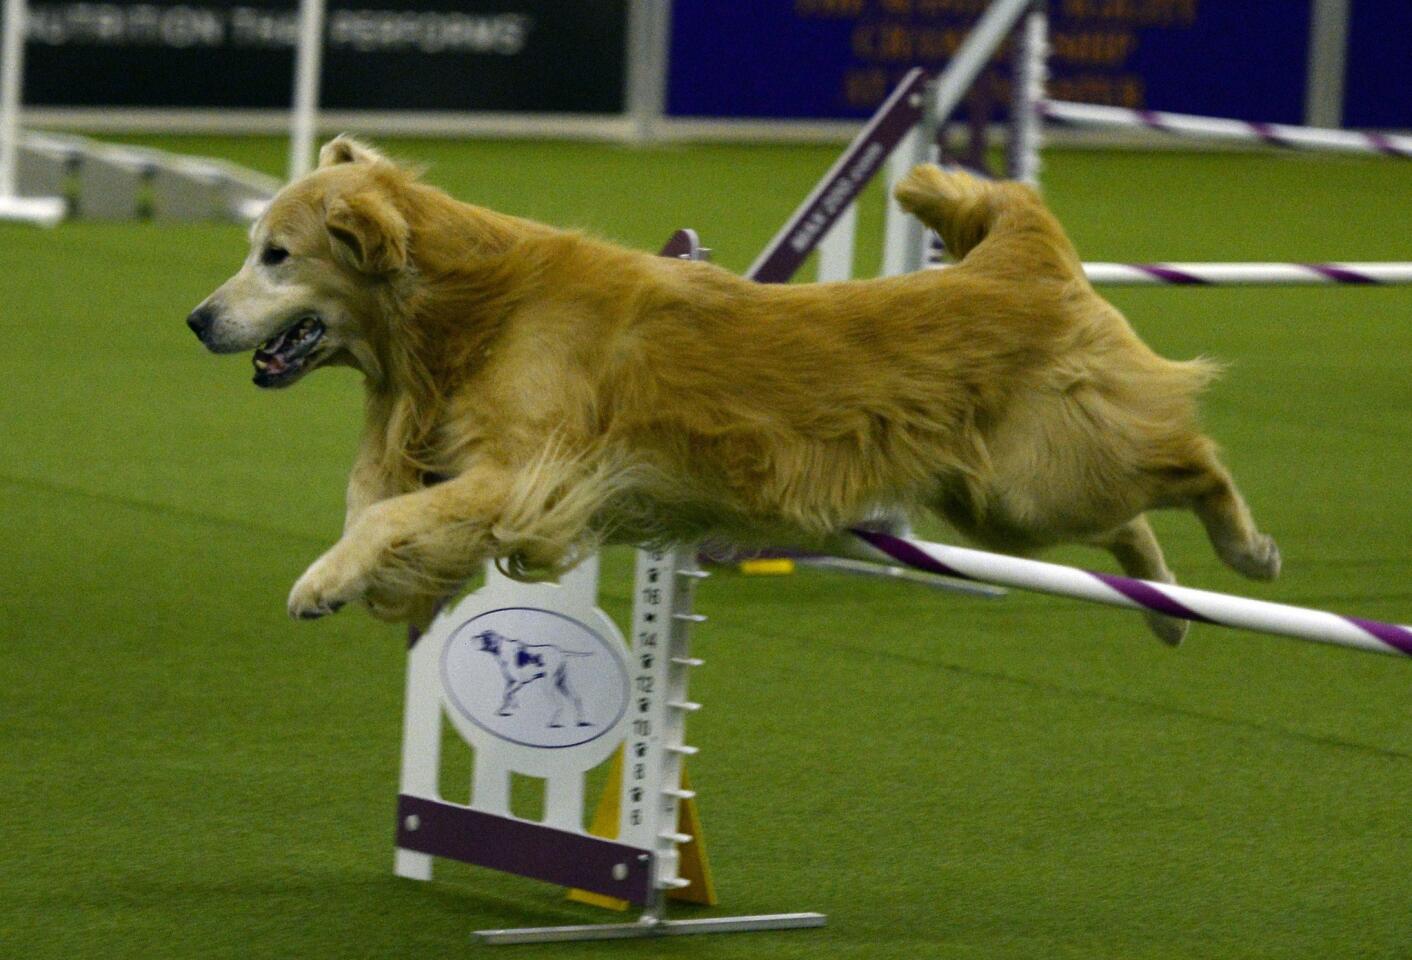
{"x":200,"y":320}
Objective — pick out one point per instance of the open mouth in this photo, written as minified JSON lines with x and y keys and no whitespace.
{"x":281,"y":359}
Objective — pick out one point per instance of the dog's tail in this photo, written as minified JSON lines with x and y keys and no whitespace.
{"x":960,"y":207}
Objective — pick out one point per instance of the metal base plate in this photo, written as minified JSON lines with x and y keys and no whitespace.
{"x":649,"y":927}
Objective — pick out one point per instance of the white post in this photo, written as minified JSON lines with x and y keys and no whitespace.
{"x":307,"y":64}
{"x":983,"y":40}
{"x":649,"y":32}
{"x":1026,"y":122}
{"x":11,"y":71}
{"x":1328,"y":55}
{"x":45,"y":211}
{"x":906,"y":242}
{"x":836,"y":249}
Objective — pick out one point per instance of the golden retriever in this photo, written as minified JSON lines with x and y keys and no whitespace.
{"x":568,"y":392}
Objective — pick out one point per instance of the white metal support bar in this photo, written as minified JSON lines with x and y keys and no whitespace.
{"x":980,"y":44}
{"x":1026,"y":120}
{"x":308,"y":60}
{"x":45,"y":211}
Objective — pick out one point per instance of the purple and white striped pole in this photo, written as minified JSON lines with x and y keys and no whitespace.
{"x":1186,"y":603}
{"x":1245,"y":274}
{"x":1217,"y":128}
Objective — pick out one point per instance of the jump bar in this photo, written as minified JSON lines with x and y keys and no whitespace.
{"x":1217,"y":128}
{"x":1248,"y":274}
{"x":1364,"y":274}
{"x":1186,"y":603}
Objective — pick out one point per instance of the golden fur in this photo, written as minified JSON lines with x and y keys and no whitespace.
{"x":575,"y":392}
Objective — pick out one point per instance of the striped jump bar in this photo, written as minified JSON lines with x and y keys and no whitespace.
{"x":1186,"y":603}
{"x":1247,"y":274}
{"x":1219,"y":128}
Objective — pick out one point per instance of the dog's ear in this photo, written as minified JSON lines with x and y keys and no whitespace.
{"x":368,"y":233}
{"x":345,"y":149}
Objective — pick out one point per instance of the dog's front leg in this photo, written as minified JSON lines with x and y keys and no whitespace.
{"x":407,"y":547}
{"x":369,"y":480}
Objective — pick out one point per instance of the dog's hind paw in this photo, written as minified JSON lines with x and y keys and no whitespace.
{"x":1258,"y":560}
{"x":1170,"y":630}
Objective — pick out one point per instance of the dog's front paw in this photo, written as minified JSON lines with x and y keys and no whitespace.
{"x":331,"y":582}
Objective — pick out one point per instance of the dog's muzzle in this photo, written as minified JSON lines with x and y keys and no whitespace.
{"x":200,"y":321}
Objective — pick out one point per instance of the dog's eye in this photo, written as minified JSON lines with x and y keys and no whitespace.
{"x":272,"y":255}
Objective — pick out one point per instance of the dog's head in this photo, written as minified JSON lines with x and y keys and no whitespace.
{"x":489,"y":641}
{"x":323,"y":259}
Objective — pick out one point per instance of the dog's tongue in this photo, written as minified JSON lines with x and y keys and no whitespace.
{"x":269,"y":363}
{"x":275,"y":344}
{"x":280,"y":352}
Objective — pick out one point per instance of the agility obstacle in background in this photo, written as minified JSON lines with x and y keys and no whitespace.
{"x":42,"y":210}
{"x":46,"y":177}
{"x":904,"y":132}
{"x":538,"y":681}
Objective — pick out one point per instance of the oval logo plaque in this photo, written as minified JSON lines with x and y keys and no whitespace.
{"x":535,"y":678}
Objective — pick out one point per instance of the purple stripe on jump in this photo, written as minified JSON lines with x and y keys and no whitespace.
{"x":1267,"y":133}
{"x":1146,"y":595}
{"x":1152,"y":118}
{"x":1385,"y":144}
{"x":1399,"y":638}
{"x":1168,"y":275}
{"x":524,"y":848}
{"x":904,"y":552}
{"x":1338,"y":274}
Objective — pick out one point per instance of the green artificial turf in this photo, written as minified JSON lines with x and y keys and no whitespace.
{"x":188,"y":774}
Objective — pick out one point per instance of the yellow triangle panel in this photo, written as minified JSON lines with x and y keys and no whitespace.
{"x":693,"y":864}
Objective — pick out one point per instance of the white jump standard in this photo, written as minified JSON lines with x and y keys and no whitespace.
{"x":539,"y":682}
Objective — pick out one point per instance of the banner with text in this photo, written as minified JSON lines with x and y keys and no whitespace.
{"x":453,"y":55}
{"x":827,"y":59}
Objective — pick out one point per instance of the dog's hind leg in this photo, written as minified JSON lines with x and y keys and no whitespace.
{"x":1137,"y":551}
{"x":1226,"y":517}
{"x":1206,"y":488}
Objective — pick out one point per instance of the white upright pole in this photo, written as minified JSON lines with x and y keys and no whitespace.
{"x":649,"y":32}
{"x":45,"y":211}
{"x":1328,"y":56}
{"x":1026,"y":123}
{"x":980,"y":44}
{"x":307,"y":64}
{"x":11,"y":70}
